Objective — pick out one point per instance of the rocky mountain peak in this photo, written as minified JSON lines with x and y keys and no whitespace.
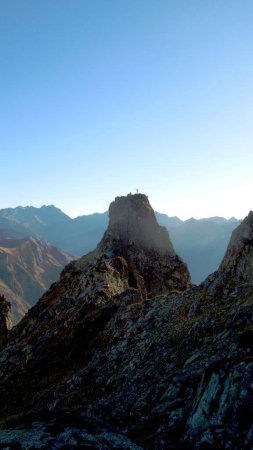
{"x":139,"y":249}
{"x":132,"y":222}
{"x":240,"y":240}
{"x":236,"y":269}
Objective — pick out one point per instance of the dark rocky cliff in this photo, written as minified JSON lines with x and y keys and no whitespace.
{"x":5,"y":318}
{"x":235,"y":274}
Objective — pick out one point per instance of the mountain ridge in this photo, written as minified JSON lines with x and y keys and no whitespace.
{"x":27,"y":268}
{"x":80,"y":235}
{"x":165,"y":366}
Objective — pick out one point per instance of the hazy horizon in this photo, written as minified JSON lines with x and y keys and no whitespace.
{"x":105,"y":211}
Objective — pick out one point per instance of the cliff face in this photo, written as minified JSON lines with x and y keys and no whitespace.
{"x":235,"y":273}
{"x":123,"y":353}
{"x":134,"y":235}
{"x":132,"y":221}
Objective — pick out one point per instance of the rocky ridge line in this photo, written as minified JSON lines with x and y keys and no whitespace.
{"x":235,"y":273}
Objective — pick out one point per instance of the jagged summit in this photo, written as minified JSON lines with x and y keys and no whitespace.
{"x":135,"y":252}
{"x":236,"y":268}
{"x":241,"y":240}
{"x":132,"y":222}
{"x":133,"y":263}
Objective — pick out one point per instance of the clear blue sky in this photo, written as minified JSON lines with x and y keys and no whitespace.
{"x":101,"y":97}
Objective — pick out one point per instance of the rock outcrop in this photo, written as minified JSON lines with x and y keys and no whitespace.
{"x":134,"y":235}
{"x":235,"y":273}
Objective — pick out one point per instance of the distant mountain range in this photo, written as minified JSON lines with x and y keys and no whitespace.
{"x":200,"y":243}
{"x":28,"y":267}
{"x":77,"y":236}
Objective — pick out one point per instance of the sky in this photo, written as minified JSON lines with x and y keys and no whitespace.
{"x":99,"y":98}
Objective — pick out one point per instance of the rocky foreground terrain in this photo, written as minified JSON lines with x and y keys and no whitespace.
{"x":124,"y":353}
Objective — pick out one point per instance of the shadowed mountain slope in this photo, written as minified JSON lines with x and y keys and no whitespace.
{"x":10,"y":229}
{"x":27,"y":268}
{"x":76,"y":236}
{"x":5,"y":318}
{"x":235,"y":273}
{"x":202,"y":244}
